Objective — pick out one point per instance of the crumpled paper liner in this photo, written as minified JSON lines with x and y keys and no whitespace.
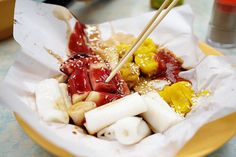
{"x":36,"y":29}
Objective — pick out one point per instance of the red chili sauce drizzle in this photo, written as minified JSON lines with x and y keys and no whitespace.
{"x":98,"y":77}
{"x":78,"y":41}
{"x":78,"y":81}
{"x":77,"y":61}
{"x":168,"y":67}
{"x":105,"y":98}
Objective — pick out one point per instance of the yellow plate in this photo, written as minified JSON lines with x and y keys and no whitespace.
{"x":214,"y":134}
{"x":6,"y":18}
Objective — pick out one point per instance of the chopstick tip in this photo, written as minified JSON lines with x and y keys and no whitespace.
{"x":109,"y":78}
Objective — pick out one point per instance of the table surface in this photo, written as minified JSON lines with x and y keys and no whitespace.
{"x":13,"y":140}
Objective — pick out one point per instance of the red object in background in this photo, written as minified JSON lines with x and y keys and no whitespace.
{"x":227,"y":6}
{"x":77,"y":41}
{"x":222,"y":28}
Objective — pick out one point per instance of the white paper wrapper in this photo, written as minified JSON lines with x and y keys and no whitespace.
{"x":36,"y":29}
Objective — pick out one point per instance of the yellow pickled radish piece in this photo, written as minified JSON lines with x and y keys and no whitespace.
{"x":144,"y":57}
{"x":180,"y":102}
{"x":179,"y":96}
{"x":147,"y":63}
{"x":130,"y":73}
{"x":186,"y":89}
{"x":148,"y":46}
{"x":122,"y":49}
{"x":165,"y":94}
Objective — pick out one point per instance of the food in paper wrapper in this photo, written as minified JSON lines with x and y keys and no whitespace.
{"x":150,"y":70}
{"x":159,"y":84}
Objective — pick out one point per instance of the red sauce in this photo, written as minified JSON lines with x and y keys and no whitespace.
{"x":83,"y":77}
{"x":77,"y":41}
{"x":98,"y":76}
{"x":168,"y":67}
{"x":78,"y":82}
{"x":79,"y":61}
{"x":122,"y":86}
{"x":105,"y":98}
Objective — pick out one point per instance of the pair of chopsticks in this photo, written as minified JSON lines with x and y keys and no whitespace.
{"x":156,"y":19}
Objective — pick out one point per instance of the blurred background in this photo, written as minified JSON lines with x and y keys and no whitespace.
{"x":14,"y":142}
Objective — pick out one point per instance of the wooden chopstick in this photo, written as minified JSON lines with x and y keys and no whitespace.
{"x":143,"y":35}
{"x":164,"y":4}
